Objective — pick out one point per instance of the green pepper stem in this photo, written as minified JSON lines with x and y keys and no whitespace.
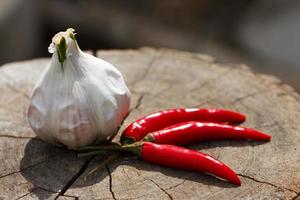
{"x":149,"y":138}
{"x":134,"y":148}
{"x":90,"y":153}
{"x":101,"y":148}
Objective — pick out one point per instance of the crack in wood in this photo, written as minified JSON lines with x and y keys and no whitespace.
{"x":250,"y":152}
{"x":145,"y":74}
{"x":139,"y":101}
{"x":11,"y":110}
{"x":24,"y":125}
{"x":296,"y":197}
{"x":267,"y":183}
{"x":19,"y":137}
{"x":158,"y":186}
{"x":110,"y":183}
{"x":200,"y":104}
{"x":74,"y":178}
{"x":53,"y":192}
{"x":212,"y":79}
{"x":32,"y":190}
{"x":199,"y":57}
{"x":158,"y":94}
{"x":239,"y":99}
{"x":21,"y":197}
{"x":123,"y":171}
{"x":137,"y":105}
{"x":283,"y":86}
{"x":275,"y":123}
{"x":175,"y":186}
{"x":25,"y":168}
{"x":162,"y":189}
{"x":138,"y":197}
{"x":40,"y":188}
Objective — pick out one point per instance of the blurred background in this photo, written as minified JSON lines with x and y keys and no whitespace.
{"x":261,"y":33}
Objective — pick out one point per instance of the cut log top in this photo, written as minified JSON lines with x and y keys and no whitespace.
{"x":158,"y":79}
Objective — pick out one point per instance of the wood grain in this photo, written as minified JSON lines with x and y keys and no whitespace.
{"x":158,"y":79}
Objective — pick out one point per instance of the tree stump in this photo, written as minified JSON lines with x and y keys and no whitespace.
{"x":158,"y":79}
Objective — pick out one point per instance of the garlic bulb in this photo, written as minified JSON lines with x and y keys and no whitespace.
{"x":79,"y":99}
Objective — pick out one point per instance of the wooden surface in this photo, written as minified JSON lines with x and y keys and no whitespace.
{"x":158,"y":79}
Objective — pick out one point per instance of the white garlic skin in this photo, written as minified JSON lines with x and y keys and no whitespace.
{"x":77,"y":102}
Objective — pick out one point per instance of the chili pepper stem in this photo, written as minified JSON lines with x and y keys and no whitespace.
{"x":149,"y":138}
{"x":91,"y":153}
{"x":134,"y":148}
{"x":95,"y":148}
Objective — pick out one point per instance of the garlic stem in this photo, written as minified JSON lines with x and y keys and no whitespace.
{"x":60,"y":42}
{"x":61,"y":49}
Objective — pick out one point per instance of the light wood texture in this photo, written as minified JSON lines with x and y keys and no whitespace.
{"x":158,"y":79}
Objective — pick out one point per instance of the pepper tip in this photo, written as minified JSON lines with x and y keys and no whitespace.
{"x":237,"y":181}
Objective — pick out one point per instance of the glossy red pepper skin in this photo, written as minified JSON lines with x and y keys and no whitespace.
{"x":182,"y":158}
{"x":162,"y":119}
{"x":192,"y":132}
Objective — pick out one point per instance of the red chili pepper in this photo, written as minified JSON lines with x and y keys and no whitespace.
{"x":162,"y":119}
{"x":174,"y":157}
{"x":192,"y":132}
{"x":182,"y":158}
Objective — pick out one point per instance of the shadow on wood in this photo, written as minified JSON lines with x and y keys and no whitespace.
{"x":50,"y":168}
